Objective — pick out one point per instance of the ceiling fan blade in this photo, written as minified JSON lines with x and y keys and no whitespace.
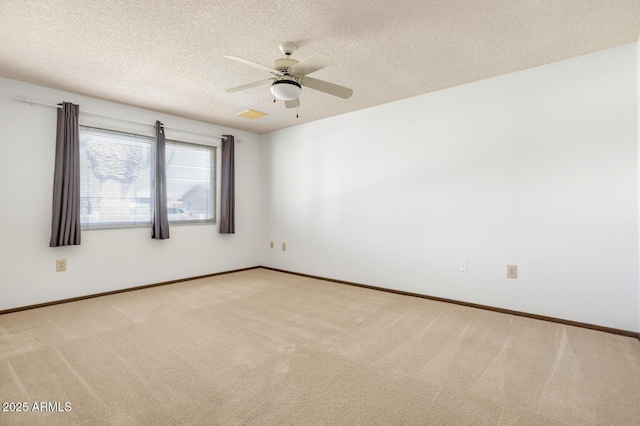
{"x":312,"y":64}
{"x":249,"y":86}
{"x":254,"y":64}
{"x":292,"y":104}
{"x":326,"y":87}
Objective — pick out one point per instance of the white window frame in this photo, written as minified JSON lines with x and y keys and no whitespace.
{"x":214,"y":178}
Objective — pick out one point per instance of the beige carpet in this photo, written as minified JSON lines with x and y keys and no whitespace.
{"x":261,"y":347}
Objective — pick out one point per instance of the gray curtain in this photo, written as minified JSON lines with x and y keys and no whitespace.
{"x":159,"y":217}
{"x":65,"y":218}
{"x":227,"y":198}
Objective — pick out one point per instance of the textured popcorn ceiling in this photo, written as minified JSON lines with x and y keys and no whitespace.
{"x":169,"y":56}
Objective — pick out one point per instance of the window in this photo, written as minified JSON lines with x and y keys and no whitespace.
{"x":117,"y":179}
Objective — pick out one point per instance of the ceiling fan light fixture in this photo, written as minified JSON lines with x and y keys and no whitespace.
{"x":286,"y":89}
{"x":291,"y":75}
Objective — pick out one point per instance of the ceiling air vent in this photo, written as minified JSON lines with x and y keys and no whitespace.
{"x":251,"y":114}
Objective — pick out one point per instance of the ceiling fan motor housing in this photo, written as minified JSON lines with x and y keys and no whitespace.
{"x":283,"y":64}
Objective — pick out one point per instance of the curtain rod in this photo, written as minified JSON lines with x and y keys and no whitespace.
{"x":32,"y":101}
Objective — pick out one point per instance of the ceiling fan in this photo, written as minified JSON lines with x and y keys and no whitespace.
{"x":290,"y":75}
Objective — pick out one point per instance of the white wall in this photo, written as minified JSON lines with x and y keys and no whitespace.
{"x":537,"y":168}
{"x":107,"y":259}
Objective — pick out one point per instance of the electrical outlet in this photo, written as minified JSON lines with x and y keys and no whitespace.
{"x":463,"y":266}
{"x":271,"y":244}
{"x":512,"y":271}
{"x":284,"y":246}
{"x":61,"y":265}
